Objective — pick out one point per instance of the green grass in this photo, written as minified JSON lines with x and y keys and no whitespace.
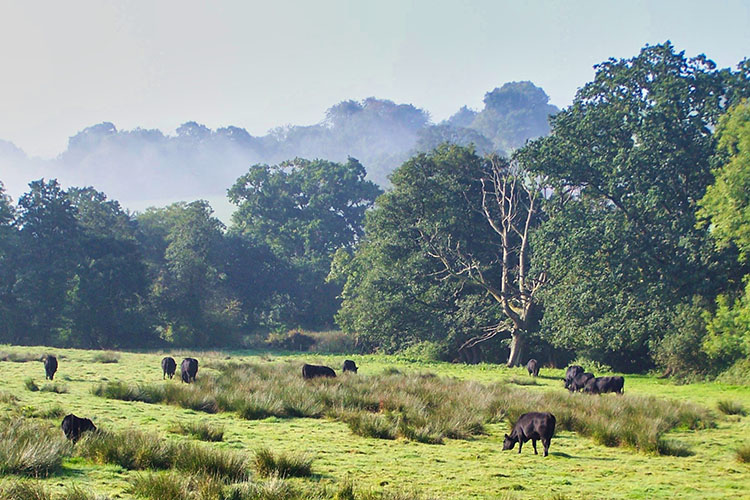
{"x":419,"y":406}
{"x":696,"y":453}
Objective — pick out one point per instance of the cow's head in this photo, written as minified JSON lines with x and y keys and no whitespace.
{"x":509,"y":442}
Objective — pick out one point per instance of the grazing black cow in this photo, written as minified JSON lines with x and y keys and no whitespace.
{"x":532,"y":426}
{"x":601,"y":385}
{"x":74,"y":426}
{"x":350,"y":366}
{"x":168,"y":366}
{"x":312,"y":371}
{"x":189,"y":368}
{"x":50,"y":366}
{"x":533,"y":367}
{"x":579,"y":382}
{"x":571,"y":373}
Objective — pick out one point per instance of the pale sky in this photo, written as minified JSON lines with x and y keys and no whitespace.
{"x":67,"y":65}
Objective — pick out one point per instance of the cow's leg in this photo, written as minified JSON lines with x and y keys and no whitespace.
{"x":533,"y":443}
{"x":546,"y":443}
{"x":520,"y":445}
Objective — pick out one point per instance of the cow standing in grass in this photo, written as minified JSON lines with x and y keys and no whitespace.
{"x":74,"y":426}
{"x":533,"y":367}
{"x":580,"y":381}
{"x":168,"y":366}
{"x":600,"y":385}
{"x":350,"y":366}
{"x":50,"y":366}
{"x":189,"y":369}
{"x":534,"y":426}
{"x":571,"y":373}
{"x":313,"y":371}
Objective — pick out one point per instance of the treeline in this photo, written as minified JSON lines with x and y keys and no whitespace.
{"x":621,"y":239}
{"x":77,"y":270}
{"x":140,"y":166}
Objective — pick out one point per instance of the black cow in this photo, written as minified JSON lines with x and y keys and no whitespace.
{"x":579,"y":382}
{"x":312,"y":371}
{"x":531,"y":426}
{"x":189,"y":368}
{"x":533,"y":367}
{"x":350,"y":366}
{"x":50,"y":366}
{"x":601,"y":385}
{"x":74,"y":426}
{"x":571,"y":373}
{"x":168,"y":366}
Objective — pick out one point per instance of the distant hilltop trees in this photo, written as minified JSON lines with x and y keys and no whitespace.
{"x":200,"y":162}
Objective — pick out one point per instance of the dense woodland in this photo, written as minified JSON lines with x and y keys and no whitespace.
{"x":622,"y":238}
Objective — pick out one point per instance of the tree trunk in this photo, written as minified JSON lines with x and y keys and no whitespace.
{"x":517,"y":344}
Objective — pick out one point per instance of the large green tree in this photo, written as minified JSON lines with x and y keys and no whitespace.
{"x":625,"y":167}
{"x":8,"y":246}
{"x":48,"y":254}
{"x":108,"y":298}
{"x":184,"y":243}
{"x":726,"y":206}
{"x":304,"y":211}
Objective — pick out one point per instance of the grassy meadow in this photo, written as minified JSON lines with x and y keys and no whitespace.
{"x":251,"y":428}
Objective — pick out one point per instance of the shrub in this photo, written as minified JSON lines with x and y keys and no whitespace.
{"x":679,"y":352}
{"x":290,"y":341}
{"x":743,"y":454}
{"x":282,"y":465}
{"x":334,"y":342}
{"x":731,"y":407}
{"x":425,"y":351}
{"x":199,"y":430}
{"x":30,"y":384}
{"x":31,"y":449}
{"x":737,"y":374}
{"x":589,"y":365}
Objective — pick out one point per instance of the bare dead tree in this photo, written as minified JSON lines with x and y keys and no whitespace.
{"x":509,"y":203}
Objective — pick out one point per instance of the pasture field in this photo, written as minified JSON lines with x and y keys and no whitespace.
{"x":700,"y":461}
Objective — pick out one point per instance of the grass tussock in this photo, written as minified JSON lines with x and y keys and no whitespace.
{"x":203,"y":431}
{"x":105,"y":357}
{"x":8,"y":398}
{"x":31,"y":449}
{"x":30,"y":384}
{"x":743,"y":453}
{"x":267,"y":464}
{"x":731,"y":407}
{"x":135,"y":450}
{"x":418,"y":406}
{"x":55,"y":387}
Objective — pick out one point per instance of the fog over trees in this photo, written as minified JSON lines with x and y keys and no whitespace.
{"x":143,"y":167}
